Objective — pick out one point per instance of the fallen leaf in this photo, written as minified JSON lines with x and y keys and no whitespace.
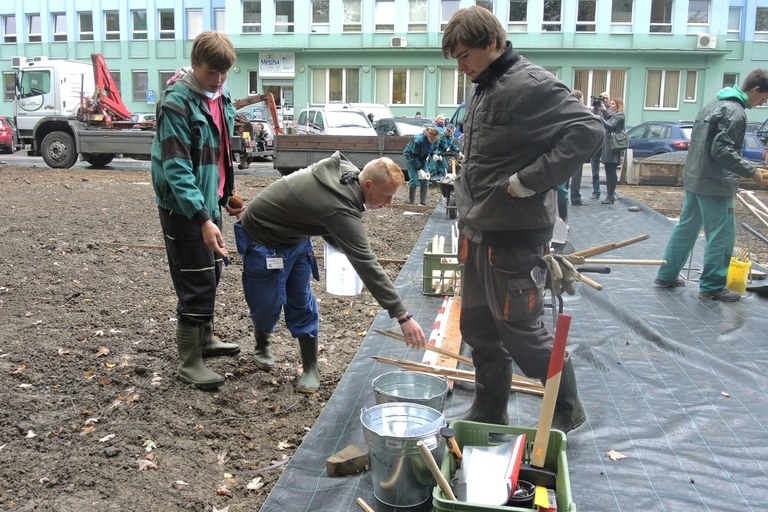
{"x":114,"y":331}
{"x":91,"y":421}
{"x":255,"y":484}
{"x":725,"y":394}
{"x":2,"y":446}
{"x":100,"y":332}
{"x":222,"y":458}
{"x":146,"y":464}
{"x":28,"y":314}
{"x":106,"y":438}
{"x":614,"y":455}
{"x":228,"y":476}
{"x":149,"y":445}
{"x":282,"y":445}
{"x":110,"y":364}
{"x":223,"y":490}
{"x":225,"y":509}
{"x":87,"y":430}
{"x":25,"y":386}
{"x":103,"y":351}
{"x":89,"y":374}
{"x":63,"y":351}
{"x":180,"y":483}
{"x":19,"y":369}
{"x":30,"y":434}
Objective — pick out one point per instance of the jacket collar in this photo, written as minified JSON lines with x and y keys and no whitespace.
{"x":498,"y":67}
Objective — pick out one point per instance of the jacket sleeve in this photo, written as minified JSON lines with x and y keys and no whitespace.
{"x":723,"y":149}
{"x":615,"y":123}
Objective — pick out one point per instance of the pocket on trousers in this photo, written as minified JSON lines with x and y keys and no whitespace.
{"x":518,"y":299}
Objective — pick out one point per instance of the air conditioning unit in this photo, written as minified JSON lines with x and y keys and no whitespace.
{"x":399,"y":42}
{"x":17,"y":62}
{"x":705,"y":41}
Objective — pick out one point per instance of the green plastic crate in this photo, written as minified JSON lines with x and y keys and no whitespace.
{"x":441,"y":274}
{"x":470,"y":433}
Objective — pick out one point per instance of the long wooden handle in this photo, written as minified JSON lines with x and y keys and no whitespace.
{"x":429,"y":460}
{"x":363,"y":505}
{"x":598,"y":249}
{"x":430,"y":348}
{"x":608,"y":261}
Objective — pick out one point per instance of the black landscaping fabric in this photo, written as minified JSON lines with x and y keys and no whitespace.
{"x":674,"y":383}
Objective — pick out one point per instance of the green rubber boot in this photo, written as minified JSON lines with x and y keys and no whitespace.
{"x":309,"y":382}
{"x":189,"y":341}
{"x":569,"y":412}
{"x":263,"y":357}
{"x":423,"y":190}
{"x":492,"y":385}
{"x":214,"y":347}
{"x":411,"y":195}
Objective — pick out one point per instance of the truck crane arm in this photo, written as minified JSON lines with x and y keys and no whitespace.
{"x":106,"y":94}
{"x":257,"y":98}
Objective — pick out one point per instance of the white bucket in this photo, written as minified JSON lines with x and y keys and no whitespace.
{"x":340,"y":277}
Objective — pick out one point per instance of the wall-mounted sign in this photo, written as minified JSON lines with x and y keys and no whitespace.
{"x":277,"y":65}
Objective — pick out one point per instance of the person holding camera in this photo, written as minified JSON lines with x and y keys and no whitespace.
{"x":613,"y":123}
{"x":600,"y":109}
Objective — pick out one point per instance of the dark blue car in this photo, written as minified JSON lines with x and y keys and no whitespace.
{"x":753,"y":148}
{"x":656,"y":137}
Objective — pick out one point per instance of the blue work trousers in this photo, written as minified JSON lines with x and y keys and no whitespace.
{"x":268,"y":290}
{"x":716,"y":214}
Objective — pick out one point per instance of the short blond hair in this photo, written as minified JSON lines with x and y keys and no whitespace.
{"x":432,"y":131}
{"x":213,"y":49}
{"x":382,"y":170}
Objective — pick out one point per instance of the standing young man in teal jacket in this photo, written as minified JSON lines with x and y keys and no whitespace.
{"x":193,"y":178}
{"x":712,"y":169}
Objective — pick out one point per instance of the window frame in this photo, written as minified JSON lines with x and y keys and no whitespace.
{"x":32,"y":20}
{"x":662,"y":90}
{"x":10,"y":37}
{"x":188,"y":22}
{"x":409,"y":89}
{"x":163,"y":75}
{"x":459,"y":91}
{"x":691,"y":77}
{"x":84,"y":35}
{"x":445,"y":14}
{"x":350,"y":26}
{"x":288,"y":26}
{"x":662,"y":27}
{"x":761,"y":35}
{"x":163,"y":32}
{"x":348,"y":79}
{"x":139,"y":95}
{"x":414,"y":24}
{"x":9,"y":93}
{"x":219,"y":15}
{"x":57,"y":20}
{"x":137,"y":33}
{"x":384,"y":16}
{"x":517,"y":25}
{"x":552,"y":24}
{"x":730,"y":31}
{"x":588,"y":25}
{"x":321,"y":9}
{"x":252,"y":27}
{"x":111,"y":34}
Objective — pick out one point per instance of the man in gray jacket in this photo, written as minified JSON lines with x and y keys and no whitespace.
{"x":712,"y":169}
{"x":325,"y":199}
{"x":524,"y":133}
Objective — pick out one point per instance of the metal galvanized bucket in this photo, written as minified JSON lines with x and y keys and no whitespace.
{"x":400,"y":476}
{"x":413,"y":387}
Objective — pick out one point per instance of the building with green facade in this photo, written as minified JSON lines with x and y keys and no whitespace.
{"x":665,"y":58}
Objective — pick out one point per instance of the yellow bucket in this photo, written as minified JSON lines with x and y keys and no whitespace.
{"x":738,"y":273}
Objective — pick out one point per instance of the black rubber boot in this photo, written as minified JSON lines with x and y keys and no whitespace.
{"x":263,"y":357}
{"x":423,"y":189}
{"x":214,"y":347}
{"x":189,"y":342}
{"x":411,"y":195}
{"x":309,"y":382}
{"x":569,"y":413}
{"x":492,"y":385}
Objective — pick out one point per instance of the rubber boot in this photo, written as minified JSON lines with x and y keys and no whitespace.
{"x":309,"y":382}
{"x":492,"y":386}
{"x":424,"y":188}
{"x":411,"y":195}
{"x":263,"y":357}
{"x":569,"y":413}
{"x":189,"y":341}
{"x":214,"y":347}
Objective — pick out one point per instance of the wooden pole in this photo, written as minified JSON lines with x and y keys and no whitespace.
{"x":436,"y":350}
{"x":607,"y":261}
{"x":598,"y":249}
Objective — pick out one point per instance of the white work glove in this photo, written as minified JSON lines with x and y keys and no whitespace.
{"x":423,"y":175}
{"x":436,"y":158}
{"x":562,"y":273}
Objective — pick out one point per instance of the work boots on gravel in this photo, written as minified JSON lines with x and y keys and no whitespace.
{"x":724,"y":295}
{"x":214,"y":347}
{"x":189,"y":342}
{"x":263,"y":356}
{"x":309,"y":382}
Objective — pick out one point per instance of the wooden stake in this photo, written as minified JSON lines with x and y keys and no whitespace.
{"x":599,"y":249}
{"x":606,"y":261}
{"x":436,"y":350}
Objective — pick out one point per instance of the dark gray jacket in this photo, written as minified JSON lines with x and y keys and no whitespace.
{"x":714,"y":162}
{"x":520,"y":119}
{"x":613,"y":123}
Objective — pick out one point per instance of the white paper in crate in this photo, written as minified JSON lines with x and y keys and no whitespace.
{"x":340,"y":277}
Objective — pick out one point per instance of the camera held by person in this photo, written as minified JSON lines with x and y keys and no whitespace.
{"x":597,"y":102}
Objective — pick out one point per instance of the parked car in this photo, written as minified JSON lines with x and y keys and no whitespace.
{"x":754,"y":149}
{"x":401,"y":126}
{"x":9,"y":140}
{"x":143,"y":117}
{"x":656,"y":137}
{"x":320,"y":120}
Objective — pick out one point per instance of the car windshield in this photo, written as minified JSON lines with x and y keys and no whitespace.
{"x":346,"y":119}
{"x":409,"y":129}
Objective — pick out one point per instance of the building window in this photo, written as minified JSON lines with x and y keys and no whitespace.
{"x":691,"y":86}
{"x":585,"y":16}
{"x":592,"y":82}
{"x":116,"y":78}
{"x":734,"y":24}
{"x":621,"y":16}
{"x":385,"y":16}
{"x":164,"y":76}
{"x":761,"y":24}
{"x":400,"y":86}
{"x":112,"y":25}
{"x":518,"y":16}
{"x":730,"y":79}
{"x":698,"y":12}
{"x":447,"y":8}
{"x":335,"y":84}
{"x":284,"y":17}
{"x":453,"y":87}
{"x":85,"y":25}
{"x":59,"y":26}
{"x":253,"y":82}
{"x":166,"y":24}
{"x":352,"y":16}
{"x":661,"y":16}
{"x":252,"y":16}
{"x":219,"y":20}
{"x":662,"y":89}
{"x":194,"y":23}
{"x":553,"y":16}
{"x":321,"y":16}
{"x":485,"y":4}
{"x":9,"y":85}
{"x":417,"y":16}
{"x":139,"y":25}
{"x":140,"y":85}
{"x":9,"y":29}
{"x":33,"y":27}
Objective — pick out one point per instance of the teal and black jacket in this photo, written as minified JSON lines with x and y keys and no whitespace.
{"x":186,"y":149}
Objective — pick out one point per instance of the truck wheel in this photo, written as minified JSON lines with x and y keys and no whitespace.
{"x":58,"y":150}
{"x":99,"y":159}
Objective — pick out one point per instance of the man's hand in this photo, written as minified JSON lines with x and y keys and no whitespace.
{"x":414,"y":335}
{"x":213,"y":238}
{"x":758,"y":176}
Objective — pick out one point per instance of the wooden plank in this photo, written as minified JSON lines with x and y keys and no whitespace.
{"x":451,"y":337}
